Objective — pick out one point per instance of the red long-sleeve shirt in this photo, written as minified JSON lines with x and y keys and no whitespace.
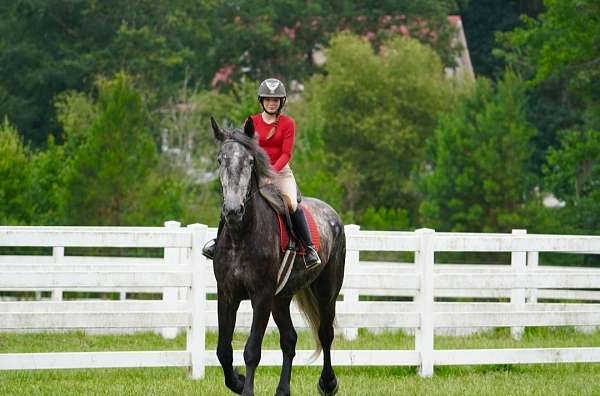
{"x":279,"y":147}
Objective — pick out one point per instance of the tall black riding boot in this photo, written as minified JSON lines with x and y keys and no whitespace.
{"x":209,"y":248}
{"x":302,"y":232}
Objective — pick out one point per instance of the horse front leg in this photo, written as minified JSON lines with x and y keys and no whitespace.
{"x":261,"y":307}
{"x":227,"y":313}
{"x":287,"y":342}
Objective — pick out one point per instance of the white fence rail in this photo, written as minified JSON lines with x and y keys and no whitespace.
{"x":60,"y":273}
{"x":183,"y":277}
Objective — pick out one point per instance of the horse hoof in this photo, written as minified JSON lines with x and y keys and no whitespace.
{"x":282,"y":393}
{"x":238,"y":383}
{"x":323,"y":392}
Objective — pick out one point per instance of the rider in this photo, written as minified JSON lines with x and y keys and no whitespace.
{"x":276,"y":136}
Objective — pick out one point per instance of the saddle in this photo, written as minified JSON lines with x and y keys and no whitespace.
{"x":287,"y":238}
{"x":288,"y":241}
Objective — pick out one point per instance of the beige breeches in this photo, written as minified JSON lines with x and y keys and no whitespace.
{"x":286,"y":183}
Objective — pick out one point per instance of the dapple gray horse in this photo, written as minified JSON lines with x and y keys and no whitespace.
{"x":247,"y":260}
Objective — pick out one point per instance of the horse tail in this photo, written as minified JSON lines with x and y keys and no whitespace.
{"x":307,"y":302}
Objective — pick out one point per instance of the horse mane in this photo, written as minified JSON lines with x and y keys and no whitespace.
{"x":262,"y":164}
{"x":263,"y":168}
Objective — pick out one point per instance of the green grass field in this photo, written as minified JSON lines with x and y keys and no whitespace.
{"x":548,"y":379}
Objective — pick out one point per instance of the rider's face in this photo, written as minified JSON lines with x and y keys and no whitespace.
{"x":271,"y":104}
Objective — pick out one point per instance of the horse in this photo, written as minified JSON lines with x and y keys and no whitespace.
{"x":246,"y":265}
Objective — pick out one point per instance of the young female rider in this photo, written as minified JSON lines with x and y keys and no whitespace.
{"x":276,"y":136}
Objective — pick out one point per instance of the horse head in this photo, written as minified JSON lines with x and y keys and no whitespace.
{"x":235,"y":162}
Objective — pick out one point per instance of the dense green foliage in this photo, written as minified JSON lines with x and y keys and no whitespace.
{"x":573,"y":174}
{"x":47,"y":47}
{"x":377,"y":110}
{"x":558,"y":53}
{"x":115,"y":155}
{"x":106,"y":108}
{"x":107,"y":172}
{"x":15,"y":177}
{"x":559,"y":57}
{"x":485,"y":187}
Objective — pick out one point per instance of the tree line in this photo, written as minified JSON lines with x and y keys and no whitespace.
{"x":106,"y":110}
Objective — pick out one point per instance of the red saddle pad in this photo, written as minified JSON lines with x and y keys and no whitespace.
{"x":284,"y":236}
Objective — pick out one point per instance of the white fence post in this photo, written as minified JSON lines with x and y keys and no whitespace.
{"x":197,"y":300}
{"x":171,"y":256}
{"x":518,"y":263}
{"x":532,"y":265}
{"x":351,"y":297}
{"x":424,"y":258}
{"x":58,"y":253}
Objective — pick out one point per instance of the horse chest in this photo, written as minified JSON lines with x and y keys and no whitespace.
{"x":240,"y":267}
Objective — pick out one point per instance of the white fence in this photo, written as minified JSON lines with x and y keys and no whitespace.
{"x":68,"y":273}
{"x":184,"y":277}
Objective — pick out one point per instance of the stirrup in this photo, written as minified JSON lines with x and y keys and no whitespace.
{"x":209,"y":248}
{"x":311,"y":251}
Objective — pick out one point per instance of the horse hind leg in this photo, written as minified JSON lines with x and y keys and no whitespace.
{"x":318,"y":304}
{"x":287,"y":341}
{"x":227,"y":314}
{"x":328,"y":384}
{"x":326,"y":289}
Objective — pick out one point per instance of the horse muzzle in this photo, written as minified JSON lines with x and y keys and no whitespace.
{"x":234,"y":215}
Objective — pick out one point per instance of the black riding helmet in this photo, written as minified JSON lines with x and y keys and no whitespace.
{"x":272,"y":88}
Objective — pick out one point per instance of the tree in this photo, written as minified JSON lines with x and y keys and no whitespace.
{"x":562,"y":40}
{"x":478,"y":180}
{"x":377,"y":110}
{"x":573,"y":175}
{"x":559,"y":57}
{"x":51,"y":46}
{"x":482,"y":19}
{"x":49,"y":168}
{"x":264,"y":38}
{"x":47,"y":47}
{"x":15,"y":177}
{"x":114,"y":159}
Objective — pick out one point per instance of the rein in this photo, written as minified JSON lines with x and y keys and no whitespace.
{"x":250,"y":194}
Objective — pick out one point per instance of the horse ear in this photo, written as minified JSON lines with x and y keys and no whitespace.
{"x":219,"y":135}
{"x":249,"y":127}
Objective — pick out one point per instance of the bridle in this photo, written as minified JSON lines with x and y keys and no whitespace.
{"x":249,"y":193}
